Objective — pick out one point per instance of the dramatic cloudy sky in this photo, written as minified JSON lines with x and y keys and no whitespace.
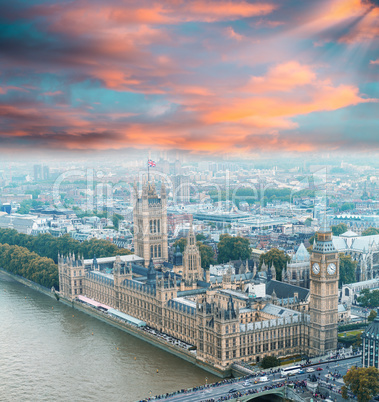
{"x":205,"y":76}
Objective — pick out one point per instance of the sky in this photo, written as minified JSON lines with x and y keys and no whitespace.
{"x":207,"y":77}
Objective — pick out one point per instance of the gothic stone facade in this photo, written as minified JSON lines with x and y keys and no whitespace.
{"x":150,"y":224}
{"x":224,"y":324}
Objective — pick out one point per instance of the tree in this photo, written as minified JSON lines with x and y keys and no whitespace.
{"x":48,"y":246}
{"x":347,"y":269}
{"x":270,"y":361}
{"x":277,"y":257}
{"x":368,"y":299}
{"x":370,"y":232}
{"x":233,"y":248}
{"x":116,"y":218}
{"x":200,"y":237}
{"x":362,"y":382}
{"x":207,"y":255}
{"x":339,"y":229}
{"x":372,"y":316}
{"x":25,"y":206}
{"x":308,"y":222}
{"x":347,"y":206}
{"x":181,"y":243}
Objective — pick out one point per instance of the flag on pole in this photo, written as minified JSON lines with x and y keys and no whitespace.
{"x":151,"y":163}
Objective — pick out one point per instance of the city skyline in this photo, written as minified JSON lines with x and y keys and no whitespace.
{"x":201,"y":77}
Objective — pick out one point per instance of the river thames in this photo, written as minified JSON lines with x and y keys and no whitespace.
{"x":50,"y":352}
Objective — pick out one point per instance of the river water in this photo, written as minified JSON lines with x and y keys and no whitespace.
{"x":51,"y":352}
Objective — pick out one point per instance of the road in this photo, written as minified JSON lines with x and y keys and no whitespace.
{"x":216,"y":392}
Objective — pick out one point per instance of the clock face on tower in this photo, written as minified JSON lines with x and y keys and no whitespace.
{"x":331,"y":268}
{"x":316,"y":268}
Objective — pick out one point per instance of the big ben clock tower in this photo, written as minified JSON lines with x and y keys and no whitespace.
{"x":323,"y":305}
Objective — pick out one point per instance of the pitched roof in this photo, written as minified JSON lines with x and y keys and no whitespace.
{"x":301,"y":254}
{"x":284,"y":290}
{"x":372,"y":331}
{"x":349,"y":233}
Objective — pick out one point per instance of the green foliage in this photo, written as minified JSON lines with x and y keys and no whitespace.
{"x":233,"y":248}
{"x":181,"y":243}
{"x":347,"y":269}
{"x":26,"y":205}
{"x":370,"y":232}
{"x":34,"y":193}
{"x":350,"y":340}
{"x":200,"y":237}
{"x":48,"y":246}
{"x":347,"y":206}
{"x":311,"y":240}
{"x":206,"y":252}
{"x":116,"y":218}
{"x":369,"y":299}
{"x":277,"y":257}
{"x":349,"y":327}
{"x":308,"y":222}
{"x":20,"y":261}
{"x":270,"y":361}
{"x":372,"y":316}
{"x":207,"y":255}
{"x":362,"y":382}
{"x":339,"y":229}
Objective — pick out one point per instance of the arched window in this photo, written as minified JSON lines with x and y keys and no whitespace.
{"x":151,"y":251}
{"x":151,"y":226}
{"x":155,"y":226}
{"x":159,"y":226}
{"x":155,"y":251}
{"x":159,"y":250}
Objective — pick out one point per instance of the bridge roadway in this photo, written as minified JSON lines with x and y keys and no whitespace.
{"x":246,"y":392}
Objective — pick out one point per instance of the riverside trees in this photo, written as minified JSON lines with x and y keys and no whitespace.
{"x":35,"y":257}
{"x":49,"y":246}
{"x":20,"y":261}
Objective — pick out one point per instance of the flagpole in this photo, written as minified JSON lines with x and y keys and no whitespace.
{"x":148,"y":171}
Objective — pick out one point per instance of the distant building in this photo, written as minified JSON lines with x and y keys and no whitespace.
{"x":363,"y":249}
{"x":370,"y":344}
{"x":6,"y":208}
{"x":297,"y":270}
{"x":181,"y":190}
{"x":41,"y":172}
{"x":351,"y":291}
{"x":37,"y":172}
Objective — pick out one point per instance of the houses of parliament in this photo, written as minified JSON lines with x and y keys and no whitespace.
{"x":226,"y":319}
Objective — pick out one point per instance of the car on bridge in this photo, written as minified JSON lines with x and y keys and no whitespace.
{"x":231,"y":391}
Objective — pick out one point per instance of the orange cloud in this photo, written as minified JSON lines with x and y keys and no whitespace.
{"x":282,"y":77}
{"x":231,"y":33}
{"x":264,"y":109}
{"x":359,"y":17}
{"x":374,"y":61}
{"x":210,"y":11}
{"x":82,"y":15}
